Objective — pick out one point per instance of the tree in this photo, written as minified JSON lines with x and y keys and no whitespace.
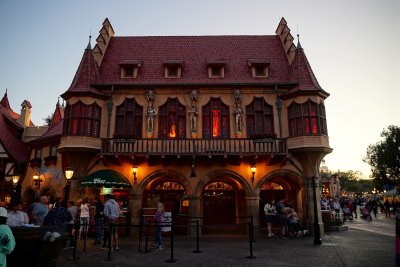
{"x":47,"y":120}
{"x":384,"y":157}
{"x":350,"y":181}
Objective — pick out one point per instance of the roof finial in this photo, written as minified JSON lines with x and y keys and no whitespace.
{"x":298,"y":41}
{"x":89,"y":46}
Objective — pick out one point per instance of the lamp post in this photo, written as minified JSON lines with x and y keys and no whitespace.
{"x":134,"y":170}
{"x":253,"y":171}
{"x":69,"y":172}
{"x":317,"y":231}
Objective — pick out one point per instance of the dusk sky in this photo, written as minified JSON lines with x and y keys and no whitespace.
{"x":352,"y":47}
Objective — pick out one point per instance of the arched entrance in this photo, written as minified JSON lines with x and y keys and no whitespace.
{"x":170,"y":192}
{"x":270,"y":191}
{"x":223,"y":202}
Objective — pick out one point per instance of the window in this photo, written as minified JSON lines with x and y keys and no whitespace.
{"x":307,"y":119}
{"x":216,"y":68}
{"x":128,"y":119}
{"x":38,"y":153}
{"x":130,"y":68}
{"x":259,"y":67}
{"x":53,"y":151}
{"x":82,"y":120}
{"x":173,"y":68}
{"x":259,"y":119}
{"x":216,"y":119}
{"x":172,"y":120}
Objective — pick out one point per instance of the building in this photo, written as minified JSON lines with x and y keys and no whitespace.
{"x":213,"y":126}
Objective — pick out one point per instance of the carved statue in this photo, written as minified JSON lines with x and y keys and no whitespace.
{"x":150,"y":115}
{"x":238,"y":113}
{"x":193,"y":117}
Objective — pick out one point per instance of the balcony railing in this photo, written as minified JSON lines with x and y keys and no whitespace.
{"x":197,"y":147}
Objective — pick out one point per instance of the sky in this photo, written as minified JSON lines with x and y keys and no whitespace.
{"x":352,"y":47}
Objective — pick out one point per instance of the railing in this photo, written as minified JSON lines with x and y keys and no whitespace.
{"x":198,"y":147}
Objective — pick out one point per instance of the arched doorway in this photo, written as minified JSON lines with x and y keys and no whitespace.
{"x":171,"y":193}
{"x":270,"y":191}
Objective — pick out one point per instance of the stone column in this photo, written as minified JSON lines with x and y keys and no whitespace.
{"x":135,"y":209}
{"x":253,"y":209}
{"x":194,"y":211}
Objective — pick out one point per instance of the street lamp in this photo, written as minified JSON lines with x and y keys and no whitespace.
{"x":134,"y":170}
{"x":69,"y":172}
{"x":253,"y":171}
{"x":15,"y":179}
{"x":37,"y":179}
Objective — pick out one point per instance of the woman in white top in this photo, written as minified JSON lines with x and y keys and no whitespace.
{"x":270,"y":216}
{"x":84,"y":216}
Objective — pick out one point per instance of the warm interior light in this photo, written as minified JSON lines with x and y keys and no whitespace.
{"x":69,"y":172}
{"x":36,"y":177}
{"x":172,"y":131}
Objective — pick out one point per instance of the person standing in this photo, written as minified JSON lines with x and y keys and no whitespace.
{"x":71,"y":224}
{"x":159,"y":219}
{"x":84,"y":217}
{"x":58,"y":217}
{"x":281,"y":212}
{"x":270,"y":216}
{"x":111,"y":214}
{"x":98,"y":220}
{"x":38,"y":211}
{"x":7,"y":240}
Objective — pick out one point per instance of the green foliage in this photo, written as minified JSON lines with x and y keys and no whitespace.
{"x":384,"y":157}
{"x":351,"y":181}
{"x":47,"y":120}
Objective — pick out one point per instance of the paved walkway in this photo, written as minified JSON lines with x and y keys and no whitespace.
{"x":364,"y":244}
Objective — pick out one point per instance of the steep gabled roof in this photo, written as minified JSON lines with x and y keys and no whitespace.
{"x":4,"y":101}
{"x":9,"y":131}
{"x":302,"y":74}
{"x":85,"y":76}
{"x":194,"y":52}
{"x":58,"y":115}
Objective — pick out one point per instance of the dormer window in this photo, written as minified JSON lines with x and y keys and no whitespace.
{"x":259,"y":67}
{"x":173,"y":68}
{"x":216,"y":68}
{"x":130,"y":68}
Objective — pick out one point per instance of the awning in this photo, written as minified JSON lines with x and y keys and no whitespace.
{"x":106,"y":178}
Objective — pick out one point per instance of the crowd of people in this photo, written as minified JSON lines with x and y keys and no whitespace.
{"x":62,"y":217}
{"x":283,"y":215}
{"x":368,"y":207}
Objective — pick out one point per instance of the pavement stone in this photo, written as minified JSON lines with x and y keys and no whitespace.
{"x":364,"y":244}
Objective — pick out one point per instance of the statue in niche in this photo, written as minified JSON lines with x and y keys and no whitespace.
{"x":150,"y":116}
{"x":238,"y":113}
{"x":193,"y":117}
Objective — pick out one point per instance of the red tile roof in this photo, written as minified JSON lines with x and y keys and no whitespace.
{"x":195,"y":52}
{"x":58,"y":115}
{"x":8,"y":136}
{"x":86,"y":75}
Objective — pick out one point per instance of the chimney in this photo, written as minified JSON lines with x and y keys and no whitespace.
{"x":25,"y":117}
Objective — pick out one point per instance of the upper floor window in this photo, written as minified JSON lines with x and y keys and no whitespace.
{"x":128,"y":119}
{"x":173,"y":68}
{"x":216,"y":119}
{"x":172,"y":120}
{"x":259,"y":119}
{"x":53,"y":151}
{"x":81,"y":119}
{"x":259,"y":67}
{"x":38,"y":153}
{"x":307,"y":119}
{"x":130,"y":68}
{"x":216,"y":68}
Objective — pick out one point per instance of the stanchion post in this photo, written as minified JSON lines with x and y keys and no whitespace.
{"x":85,"y":227}
{"x":140,"y":233}
{"x":77,"y":225}
{"x":172,"y":260}
{"x":197,"y":237}
{"x":147,"y":237}
{"x":110,"y":233}
{"x":251,"y":241}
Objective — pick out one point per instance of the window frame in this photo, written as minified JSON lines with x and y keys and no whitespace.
{"x":216,"y":111}
{"x":81,"y":119}
{"x":128,"y":119}
{"x":172,"y":110}
{"x":260,"y":111}
{"x":307,"y":119}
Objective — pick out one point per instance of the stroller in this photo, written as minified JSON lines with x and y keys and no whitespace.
{"x":347,"y":214}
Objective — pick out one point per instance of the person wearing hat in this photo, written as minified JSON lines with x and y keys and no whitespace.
{"x":7,"y":240}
